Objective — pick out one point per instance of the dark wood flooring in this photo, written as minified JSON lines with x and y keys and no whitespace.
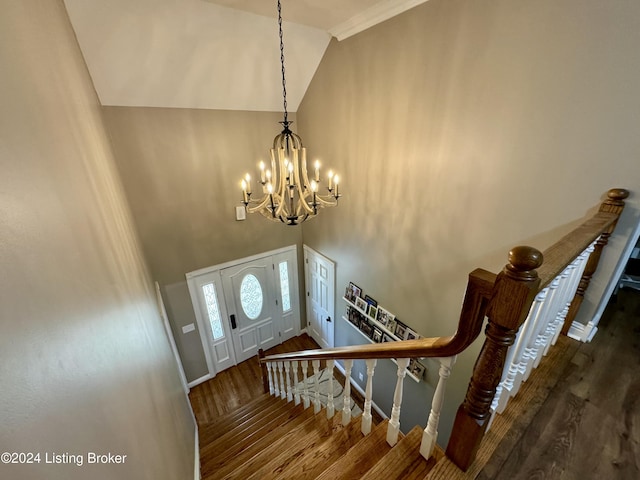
{"x":589,"y":425}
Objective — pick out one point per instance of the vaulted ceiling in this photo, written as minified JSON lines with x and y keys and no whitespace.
{"x":213,"y":54}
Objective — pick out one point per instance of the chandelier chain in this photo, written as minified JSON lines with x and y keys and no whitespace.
{"x":284,"y":83}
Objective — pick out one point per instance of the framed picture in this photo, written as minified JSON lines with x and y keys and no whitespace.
{"x":411,"y":335}
{"x":416,"y":368}
{"x":377,"y":335}
{"x":356,"y":291}
{"x":348,"y":294}
{"x":391,"y":325}
{"x":361,"y":304}
{"x":384,"y":317}
{"x":387,"y":338}
{"x":401,"y":330}
{"x":366,"y":328}
{"x":373,"y":311}
{"x":370,"y":300}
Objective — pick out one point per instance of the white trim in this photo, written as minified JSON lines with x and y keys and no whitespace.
{"x":196,"y":462}
{"x":200,"y":380}
{"x":172,"y":341}
{"x":615,"y":278}
{"x":361,"y":392}
{"x":378,"y":13}
{"x":240,"y":261}
{"x":583,"y":333}
{"x":304,"y":330}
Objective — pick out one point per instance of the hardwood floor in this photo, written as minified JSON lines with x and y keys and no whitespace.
{"x":238,"y":385}
{"x":589,"y":425}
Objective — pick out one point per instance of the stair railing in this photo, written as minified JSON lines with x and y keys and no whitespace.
{"x":442,"y":349}
{"x":540,"y":296}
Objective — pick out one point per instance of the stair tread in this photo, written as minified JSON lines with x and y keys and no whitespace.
{"x":311,"y":455}
{"x":403,"y":461}
{"x":361,"y":457}
{"x":213,"y":436}
{"x":260,"y":423}
{"x":223,"y":420}
{"x":224,"y":463}
{"x":314,"y":430}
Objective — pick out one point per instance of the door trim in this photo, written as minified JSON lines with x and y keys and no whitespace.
{"x":217,"y":269}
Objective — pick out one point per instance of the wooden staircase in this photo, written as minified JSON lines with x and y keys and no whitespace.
{"x":272,"y":439}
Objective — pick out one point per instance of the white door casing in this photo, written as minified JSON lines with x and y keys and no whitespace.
{"x":320,"y":286}
{"x":217,"y":289}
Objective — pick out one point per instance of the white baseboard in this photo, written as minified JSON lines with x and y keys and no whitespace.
{"x":582,"y":333}
{"x":359,"y":389}
{"x":304,"y":330}
{"x":196,"y":467}
{"x":200,"y":380}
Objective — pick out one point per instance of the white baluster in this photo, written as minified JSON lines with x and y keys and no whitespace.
{"x":296,"y":388}
{"x":271,"y":386}
{"x":287,"y":375}
{"x":558,"y":301}
{"x":394,"y":423}
{"x":346,"y":395}
{"x":531,"y":351}
{"x":283,"y":387}
{"x":515,"y":354}
{"x":316,"y":372}
{"x":366,"y":414}
{"x":430,"y":434}
{"x":330,"y":406}
{"x":276,"y":388}
{"x":305,"y":387}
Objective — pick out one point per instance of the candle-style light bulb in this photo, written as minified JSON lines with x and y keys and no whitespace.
{"x":336,"y":180}
{"x":330,"y":180}
{"x":317,"y":167}
{"x":314,"y":186}
{"x":248,"y":184}
{"x":262,"y":172}
{"x":243,"y":184}
{"x":290,"y":175}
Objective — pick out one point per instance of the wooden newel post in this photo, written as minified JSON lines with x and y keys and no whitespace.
{"x":613,"y":204}
{"x":263,"y":371}
{"x":511,"y":298}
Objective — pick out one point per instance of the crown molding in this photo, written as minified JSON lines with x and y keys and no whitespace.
{"x":378,"y":13}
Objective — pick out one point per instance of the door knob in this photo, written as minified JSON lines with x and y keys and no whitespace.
{"x":328,"y":319}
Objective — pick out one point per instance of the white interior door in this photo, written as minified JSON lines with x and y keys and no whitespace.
{"x":320,"y":285}
{"x":251,"y":303}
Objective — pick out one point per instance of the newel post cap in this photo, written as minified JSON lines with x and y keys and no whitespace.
{"x":523,"y":261}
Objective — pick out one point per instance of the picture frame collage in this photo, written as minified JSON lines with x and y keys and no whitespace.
{"x":379,"y":324}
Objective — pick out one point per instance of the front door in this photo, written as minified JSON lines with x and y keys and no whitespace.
{"x":251,"y":303}
{"x":320,"y":283}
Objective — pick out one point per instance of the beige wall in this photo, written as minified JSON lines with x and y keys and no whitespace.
{"x":85,"y":365}
{"x":465,"y":127}
{"x":181,"y":171}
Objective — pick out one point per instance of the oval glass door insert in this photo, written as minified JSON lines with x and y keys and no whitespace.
{"x":251,"y":297}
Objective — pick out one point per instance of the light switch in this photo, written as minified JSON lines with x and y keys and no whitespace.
{"x":188,"y":328}
{"x":241,"y":213}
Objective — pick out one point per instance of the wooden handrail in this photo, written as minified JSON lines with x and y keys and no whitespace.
{"x":514,"y":290}
{"x":475,"y":302}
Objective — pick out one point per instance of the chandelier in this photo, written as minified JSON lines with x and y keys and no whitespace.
{"x":289,"y":195}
